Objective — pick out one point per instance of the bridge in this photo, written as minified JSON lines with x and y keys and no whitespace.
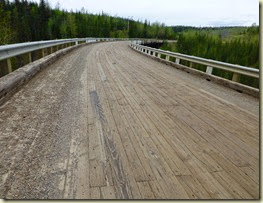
{"x":103,"y":121}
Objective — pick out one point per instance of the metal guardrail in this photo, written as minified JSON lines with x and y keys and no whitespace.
{"x":8,"y":51}
{"x":13,"y":50}
{"x":236,"y":69}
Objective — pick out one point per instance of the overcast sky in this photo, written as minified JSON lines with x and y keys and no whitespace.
{"x":174,"y":12}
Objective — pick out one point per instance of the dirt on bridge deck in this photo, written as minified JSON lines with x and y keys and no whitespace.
{"x":107,"y":122}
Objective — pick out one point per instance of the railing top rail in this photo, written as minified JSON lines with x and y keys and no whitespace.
{"x":27,"y":44}
{"x":11,"y":50}
{"x":253,"y":72}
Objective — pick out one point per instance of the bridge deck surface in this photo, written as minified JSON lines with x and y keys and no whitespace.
{"x":107,"y":122}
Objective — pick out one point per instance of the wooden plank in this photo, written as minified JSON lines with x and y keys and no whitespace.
{"x":142,"y":171}
{"x":131,"y":76}
{"x":250,"y":186}
{"x":236,"y":190}
{"x":146,"y":86}
{"x":194,"y":188}
{"x":95,"y":193}
{"x":145,"y":190}
{"x":96,"y":154}
{"x":158,"y":132}
{"x":123,"y":181}
{"x":151,"y":129}
{"x":251,"y":173}
{"x":169,"y":77}
{"x":167,"y":180}
{"x":108,"y":192}
{"x":138,"y":170}
{"x":83,"y":182}
{"x":157,"y":190}
{"x":217,"y":168}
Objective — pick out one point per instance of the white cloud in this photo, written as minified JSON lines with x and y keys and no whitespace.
{"x":174,"y":12}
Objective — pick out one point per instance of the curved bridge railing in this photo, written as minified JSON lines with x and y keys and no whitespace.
{"x":43,"y":48}
{"x":237,"y":70}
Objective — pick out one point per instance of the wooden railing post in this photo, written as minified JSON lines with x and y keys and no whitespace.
{"x":43,"y":52}
{"x":29,"y":57}
{"x":209,"y":70}
{"x":9,"y":65}
{"x":236,"y":77}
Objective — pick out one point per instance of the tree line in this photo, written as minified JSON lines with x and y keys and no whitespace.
{"x":22,"y":21}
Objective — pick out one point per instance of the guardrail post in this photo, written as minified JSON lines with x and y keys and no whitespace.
{"x":76,"y":43}
{"x":159,"y":55}
{"x":9,"y":65}
{"x":177,"y":61}
{"x":209,"y":70}
{"x":236,"y":77}
{"x":167,"y":58}
{"x":29,"y":57}
{"x":43,"y":52}
{"x":191,"y":65}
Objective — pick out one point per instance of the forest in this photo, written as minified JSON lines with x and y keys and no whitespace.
{"x":22,"y":21}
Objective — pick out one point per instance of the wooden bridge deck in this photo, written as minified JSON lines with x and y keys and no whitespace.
{"x":107,"y":122}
